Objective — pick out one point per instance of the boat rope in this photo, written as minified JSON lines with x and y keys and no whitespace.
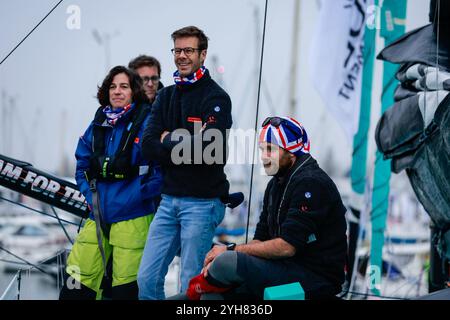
{"x":62,"y":226}
{"x":436,"y":22}
{"x":79,"y":226}
{"x":343,"y":294}
{"x":256,"y":121}
{"x":38,"y":211}
{"x":14,"y":262}
{"x":438,"y":13}
{"x":25,"y":261}
{"x":32,"y":30}
{"x":17,"y":278}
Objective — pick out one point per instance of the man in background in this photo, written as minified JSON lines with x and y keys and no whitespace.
{"x":149,"y":69}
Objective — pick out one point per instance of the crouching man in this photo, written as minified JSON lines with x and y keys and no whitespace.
{"x":301,"y":234}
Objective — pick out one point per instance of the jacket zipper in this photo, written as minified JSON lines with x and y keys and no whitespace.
{"x":284,"y":193}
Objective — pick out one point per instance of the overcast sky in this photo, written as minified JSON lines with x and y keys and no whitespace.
{"x":48,"y":84}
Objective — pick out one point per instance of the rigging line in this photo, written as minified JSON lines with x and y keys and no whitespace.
{"x":29,"y":33}
{"x":389,"y":246}
{"x":269,"y":100}
{"x":16,"y":278}
{"x":359,"y":240}
{"x":79,"y":226}
{"x":61,"y":268}
{"x":365,"y":213}
{"x":28,"y":263}
{"x":437,"y":56}
{"x":363,"y":216}
{"x":256,"y":121}
{"x":35,"y":210}
{"x":19,"y":283}
{"x":372,"y":295}
{"x":62,"y":226}
{"x":436,"y":21}
{"x":408,"y":282}
{"x":42,"y":263}
{"x":14,"y":262}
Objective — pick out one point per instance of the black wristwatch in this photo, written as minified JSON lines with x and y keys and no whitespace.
{"x":231,"y":246}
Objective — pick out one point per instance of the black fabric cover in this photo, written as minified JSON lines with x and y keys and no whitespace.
{"x":400,"y":133}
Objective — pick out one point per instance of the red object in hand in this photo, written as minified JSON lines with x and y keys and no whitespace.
{"x":199,"y":285}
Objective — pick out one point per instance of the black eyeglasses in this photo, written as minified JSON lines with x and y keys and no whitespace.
{"x":187,"y":51}
{"x":274,"y":121}
{"x":153,"y":79}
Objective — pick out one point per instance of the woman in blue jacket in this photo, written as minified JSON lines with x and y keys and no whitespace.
{"x":121,"y":188}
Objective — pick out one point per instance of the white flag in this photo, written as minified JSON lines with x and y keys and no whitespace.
{"x":337,"y":59}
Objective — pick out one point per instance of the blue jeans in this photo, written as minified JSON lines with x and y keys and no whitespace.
{"x":184,"y":223}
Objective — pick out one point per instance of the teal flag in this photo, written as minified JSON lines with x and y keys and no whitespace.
{"x":393,"y":17}
{"x":359,"y":157}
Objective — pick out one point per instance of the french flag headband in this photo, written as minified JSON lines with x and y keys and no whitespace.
{"x":287,"y":133}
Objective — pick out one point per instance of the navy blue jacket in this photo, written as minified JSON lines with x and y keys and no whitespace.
{"x":126,"y":199}
{"x":190,"y":107}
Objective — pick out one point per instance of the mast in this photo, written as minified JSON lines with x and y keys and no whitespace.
{"x":217,"y":71}
{"x":104,"y":40}
{"x":4,"y":138}
{"x":64,"y":169}
{"x":294,"y":58}
{"x":257,"y":49}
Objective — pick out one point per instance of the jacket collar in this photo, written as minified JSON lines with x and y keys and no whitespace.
{"x":305,"y":161}
{"x":196,"y":84}
{"x":100,"y":118}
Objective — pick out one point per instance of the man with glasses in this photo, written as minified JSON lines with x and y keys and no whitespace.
{"x":301,"y":234}
{"x":193,"y":189}
{"x":149,"y":69}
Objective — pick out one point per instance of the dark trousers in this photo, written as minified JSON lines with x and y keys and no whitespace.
{"x":261,"y":273}
{"x":248,"y":276}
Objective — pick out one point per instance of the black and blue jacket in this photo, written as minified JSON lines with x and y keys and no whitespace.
{"x":311,"y":217}
{"x":123,"y":199}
